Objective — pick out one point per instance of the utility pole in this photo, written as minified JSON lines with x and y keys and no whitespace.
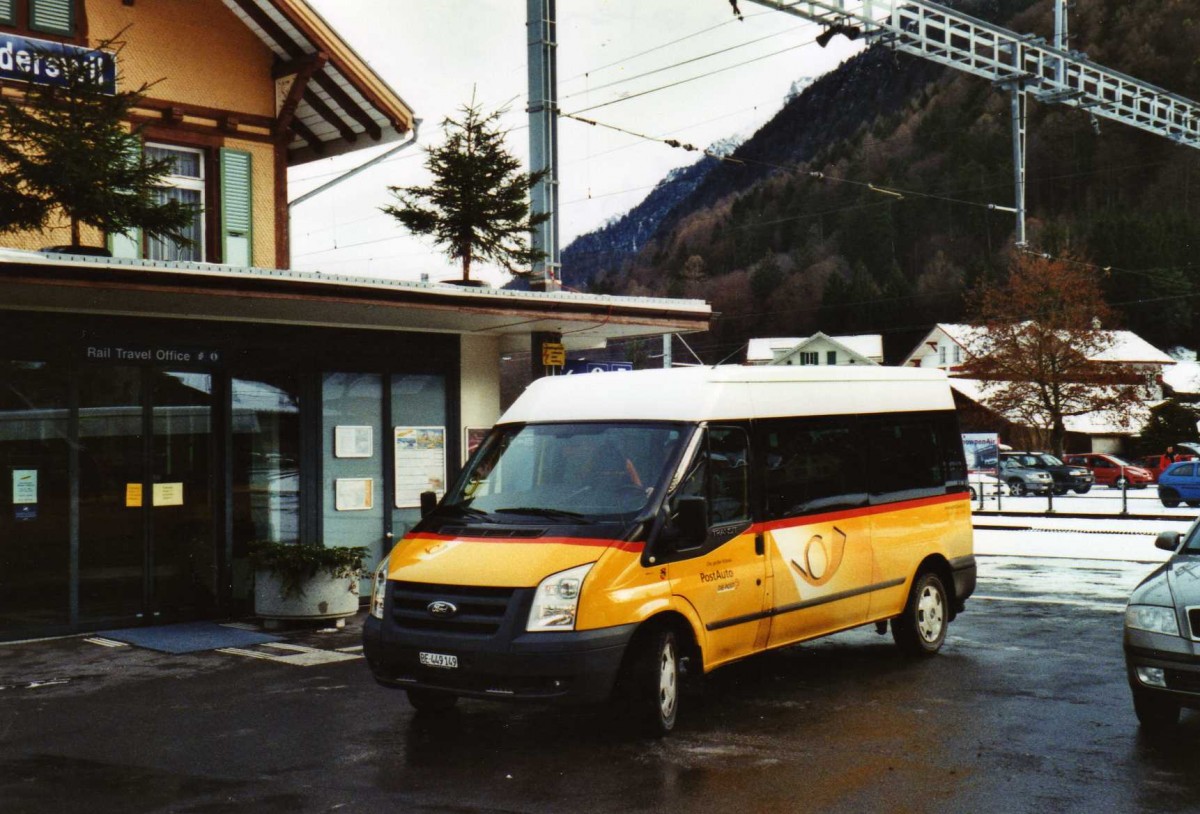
{"x":541,"y":21}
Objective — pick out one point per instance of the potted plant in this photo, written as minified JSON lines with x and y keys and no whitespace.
{"x":293,"y":581}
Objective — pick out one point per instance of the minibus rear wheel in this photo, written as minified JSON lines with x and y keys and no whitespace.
{"x":431,"y":700}
{"x":652,"y":681}
{"x":921,"y":628}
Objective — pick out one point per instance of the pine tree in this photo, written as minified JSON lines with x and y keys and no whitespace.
{"x":477,"y":207}
{"x":67,"y":146}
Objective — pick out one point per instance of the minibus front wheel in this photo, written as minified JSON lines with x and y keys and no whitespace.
{"x":651,"y":681}
{"x":920,"y":629}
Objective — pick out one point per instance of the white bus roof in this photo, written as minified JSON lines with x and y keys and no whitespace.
{"x":731,"y":392}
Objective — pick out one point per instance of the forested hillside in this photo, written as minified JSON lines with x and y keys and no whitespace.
{"x":789,"y":239}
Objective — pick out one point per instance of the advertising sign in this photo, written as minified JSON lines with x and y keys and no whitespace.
{"x":981,"y":450}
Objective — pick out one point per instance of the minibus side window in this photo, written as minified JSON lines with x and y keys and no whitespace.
{"x":904,"y":461}
{"x":811,"y":465}
{"x":954,"y":463}
{"x":729,"y":475}
{"x":720,"y":473}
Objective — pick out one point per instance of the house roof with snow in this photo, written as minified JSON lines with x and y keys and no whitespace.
{"x":1127,"y":421}
{"x":1126,"y":347}
{"x":1183,"y":377}
{"x":765,"y":351}
{"x":842,"y":350}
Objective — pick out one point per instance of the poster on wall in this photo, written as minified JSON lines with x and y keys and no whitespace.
{"x":25,"y":487}
{"x":420,"y":464}
{"x":353,"y":494}
{"x":981,"y":450}
{"x":352,"y":441}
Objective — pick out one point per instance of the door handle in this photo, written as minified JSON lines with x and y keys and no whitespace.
{"x":760,"y":546}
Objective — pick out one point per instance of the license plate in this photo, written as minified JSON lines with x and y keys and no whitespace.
{"x":438,"y":660}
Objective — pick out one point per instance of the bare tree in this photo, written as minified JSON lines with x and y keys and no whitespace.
{"x":1041,"y":351}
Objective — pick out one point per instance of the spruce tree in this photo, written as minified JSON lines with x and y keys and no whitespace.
{"x":477,"y":207}
{"x":69,"y":147}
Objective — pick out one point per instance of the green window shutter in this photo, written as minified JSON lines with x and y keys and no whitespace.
{"x":7,"y":12}
{"x":53,"y":16}
{"x":237,"y":208}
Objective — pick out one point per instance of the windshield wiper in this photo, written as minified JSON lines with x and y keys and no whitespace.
{"x":553,"y":514}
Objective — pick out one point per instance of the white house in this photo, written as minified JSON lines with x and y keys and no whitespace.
{"x":947,"y":346}
{"x":818,"y":349}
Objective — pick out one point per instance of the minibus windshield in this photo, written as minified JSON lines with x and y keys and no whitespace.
{"x":568,"y":473}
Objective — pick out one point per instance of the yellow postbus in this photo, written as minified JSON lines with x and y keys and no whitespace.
{"x":614,"y":531}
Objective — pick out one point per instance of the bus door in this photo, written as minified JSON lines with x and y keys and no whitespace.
{"x":725,"y":578}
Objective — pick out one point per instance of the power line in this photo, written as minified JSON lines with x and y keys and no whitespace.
{"x":713,"y":72}
{"x":681,"y":63}
{"x":655,"y":48}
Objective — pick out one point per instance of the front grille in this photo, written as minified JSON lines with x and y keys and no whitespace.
{"x":480,"y":611}
{"x":1193,"y":615}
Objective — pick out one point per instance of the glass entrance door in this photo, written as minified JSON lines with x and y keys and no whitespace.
{"x":147,"y":546}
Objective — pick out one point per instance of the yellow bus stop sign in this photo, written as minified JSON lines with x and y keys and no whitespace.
{"x":554,"y":354}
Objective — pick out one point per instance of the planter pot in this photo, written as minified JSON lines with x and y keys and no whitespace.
{"x":322,"y":597}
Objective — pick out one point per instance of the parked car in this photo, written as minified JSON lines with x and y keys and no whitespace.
{"x":1065,"y":476}
{"x":1179,"y":483}
{"x":1024,"y":480}
{"x":1109,"y":470}
{"x":989,"y":485}
{"x":1162,"y":624}
{"x":1157,"y":463}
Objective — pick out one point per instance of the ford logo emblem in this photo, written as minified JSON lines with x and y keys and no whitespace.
{"x":440,"y":608}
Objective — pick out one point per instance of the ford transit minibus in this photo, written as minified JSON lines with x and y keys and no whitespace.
{"x":615,"y":529}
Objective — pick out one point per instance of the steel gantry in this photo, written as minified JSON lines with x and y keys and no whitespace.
{"x":1025,"y":65}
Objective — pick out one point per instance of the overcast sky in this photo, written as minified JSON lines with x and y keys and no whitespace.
{"x":435,"y":53}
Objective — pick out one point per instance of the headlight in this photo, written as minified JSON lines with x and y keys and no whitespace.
{"x":1079,"y":472}
{"x":379,"y":588}
{"x":557,"y":600}
{"x":1152,"y":618}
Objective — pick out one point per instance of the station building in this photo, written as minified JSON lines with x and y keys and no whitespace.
{"x":164,"y":407}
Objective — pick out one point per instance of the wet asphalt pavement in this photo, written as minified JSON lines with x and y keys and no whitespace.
{"x":1025,"y":710}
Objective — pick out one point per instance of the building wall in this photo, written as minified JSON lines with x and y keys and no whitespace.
{"x":479,"y":385}
{"x":196,"y":54}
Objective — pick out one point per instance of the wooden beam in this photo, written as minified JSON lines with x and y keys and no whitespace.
{"x":309,"y":136}
{"x":324,"y":111}
{"x":272,"y":29}
{"x":349,"y":105}
{"x":287,"y":111}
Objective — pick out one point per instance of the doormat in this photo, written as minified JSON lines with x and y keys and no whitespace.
{"x":189,"y":637}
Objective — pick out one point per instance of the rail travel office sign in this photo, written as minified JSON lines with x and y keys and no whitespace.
{"x":41,"y":62}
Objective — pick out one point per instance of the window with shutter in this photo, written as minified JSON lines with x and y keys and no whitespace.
{"x":8,"y":12}
{"x":52,"y":16}
{"x":236,"y":208}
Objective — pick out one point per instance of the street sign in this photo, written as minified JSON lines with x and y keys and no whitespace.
{"x":554,"y":354}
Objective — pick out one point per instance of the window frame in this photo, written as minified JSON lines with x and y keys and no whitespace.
{"x":201,"y":184}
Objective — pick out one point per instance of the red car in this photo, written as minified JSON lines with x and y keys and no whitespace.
{"x":1109,"y":470}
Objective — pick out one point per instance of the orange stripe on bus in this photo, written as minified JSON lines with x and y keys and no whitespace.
{"x":597,"y":542}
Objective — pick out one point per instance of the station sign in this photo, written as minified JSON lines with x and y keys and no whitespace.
{"x":133,"y":354}
{"x":40,"y":62}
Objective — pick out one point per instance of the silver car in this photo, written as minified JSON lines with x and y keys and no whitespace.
{"x":1023,"y":480}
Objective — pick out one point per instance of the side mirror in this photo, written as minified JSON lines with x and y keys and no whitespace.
{"x":691,"y":520}
{"x":429,"y":502}
{"x":1168,"y":541}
